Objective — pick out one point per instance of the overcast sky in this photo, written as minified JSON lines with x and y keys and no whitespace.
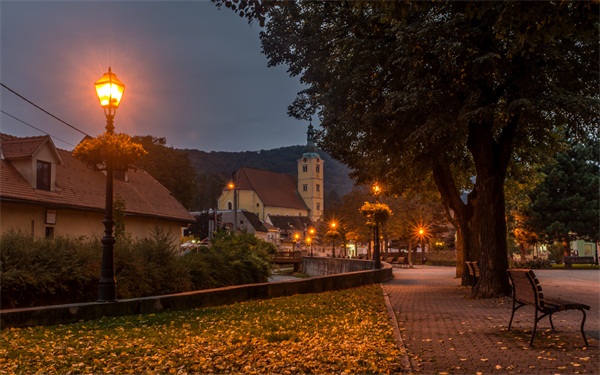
{"x":194,"y":74}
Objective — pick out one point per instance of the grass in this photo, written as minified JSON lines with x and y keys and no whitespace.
{"x":577,"y":266}
{"x":334,"y":332}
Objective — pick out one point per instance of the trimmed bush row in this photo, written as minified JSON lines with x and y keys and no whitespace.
{"x":38,"y":272}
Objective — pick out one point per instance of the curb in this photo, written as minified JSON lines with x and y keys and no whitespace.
{"x":404,"y":360}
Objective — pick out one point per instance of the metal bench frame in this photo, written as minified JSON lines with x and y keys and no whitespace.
{"x":528,"y":291}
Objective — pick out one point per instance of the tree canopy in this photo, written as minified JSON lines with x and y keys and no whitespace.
{"x":463,"y":92}
{"x":565,"y":206}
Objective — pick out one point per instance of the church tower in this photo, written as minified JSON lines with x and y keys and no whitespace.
{"x":310,"y":178}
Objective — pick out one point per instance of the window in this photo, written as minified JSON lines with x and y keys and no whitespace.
{"x":318,"y":206}
{"x":50,"y":232}
{"x":305,"y":168}
{"x":305,"y":187}
{"x":318,"y":187}
{"x":258,"y":205}
{"x":229,"y":206}
{"x":43,"y":175}
{"x":318,"y":168}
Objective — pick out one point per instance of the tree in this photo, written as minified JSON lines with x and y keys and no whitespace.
{"x":565,"y":205}
{"x":451,"y":90}
{"x":168,"y":166}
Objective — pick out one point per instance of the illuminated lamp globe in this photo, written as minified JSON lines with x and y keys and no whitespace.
{"x":109,"y":90}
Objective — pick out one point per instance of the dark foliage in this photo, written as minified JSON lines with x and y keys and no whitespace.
{"x":37,"y":272}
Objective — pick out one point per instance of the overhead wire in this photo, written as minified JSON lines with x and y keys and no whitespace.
{"x":36,"y":128}
{"x":43,"y":110}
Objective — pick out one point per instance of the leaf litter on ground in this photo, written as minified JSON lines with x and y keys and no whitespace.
{"x":344,"y":331}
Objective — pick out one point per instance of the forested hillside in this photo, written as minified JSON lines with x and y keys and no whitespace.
{"x":216,"y":167}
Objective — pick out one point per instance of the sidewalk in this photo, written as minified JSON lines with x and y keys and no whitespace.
{"x":445,"y":332}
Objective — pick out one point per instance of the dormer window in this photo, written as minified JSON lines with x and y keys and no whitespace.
{"x":43,"y":175}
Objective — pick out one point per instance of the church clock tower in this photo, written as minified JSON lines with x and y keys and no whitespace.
{"x":310,"y":178}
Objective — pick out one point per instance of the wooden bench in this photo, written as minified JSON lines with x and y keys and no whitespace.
{"x":579,"y":260}
{"x":401,"y":261}
{"x":473,"y":270}
{"x":528,"y":291}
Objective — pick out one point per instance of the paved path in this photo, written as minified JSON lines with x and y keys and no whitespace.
{"x":445,"y":332}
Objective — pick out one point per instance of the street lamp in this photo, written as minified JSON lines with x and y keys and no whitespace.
{"x":109,"y":91}
{"x":333,"y":234}
{"x":308,"y":241}
{"x":376,"y":245}
{"x":421,"y":235}
{"x":311,"y":231}
{"x":232,"y":186}
{"x":296,"y":237}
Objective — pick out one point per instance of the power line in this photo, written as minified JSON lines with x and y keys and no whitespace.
{"x":43,"y":110}
{"x":28,"y":124}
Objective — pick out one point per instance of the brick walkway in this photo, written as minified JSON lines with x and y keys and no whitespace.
{"x":445,"y":332}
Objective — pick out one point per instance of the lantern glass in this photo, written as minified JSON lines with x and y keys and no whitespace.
{"x":109,"y":90}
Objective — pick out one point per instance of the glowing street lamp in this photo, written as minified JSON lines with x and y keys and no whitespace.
{"x":311,"y":232}
{"x":110,"y":91}
{"x":232,"y":186}
{"x":333,"y":226}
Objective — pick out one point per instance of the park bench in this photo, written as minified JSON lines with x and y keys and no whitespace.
{"x":579,"y":260}
{"x":528,"y":291}
{"x":473,"y":270}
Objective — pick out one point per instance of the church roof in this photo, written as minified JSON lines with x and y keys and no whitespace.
{"x":273,"y":189}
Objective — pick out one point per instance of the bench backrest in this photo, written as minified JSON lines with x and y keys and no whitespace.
{"x":526,"y":287}
{"x":473,"y":268}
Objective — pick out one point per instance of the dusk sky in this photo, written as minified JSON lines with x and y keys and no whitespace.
{"x":194,"y":74}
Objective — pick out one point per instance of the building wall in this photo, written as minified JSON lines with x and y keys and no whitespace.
{"x":74,"y":223}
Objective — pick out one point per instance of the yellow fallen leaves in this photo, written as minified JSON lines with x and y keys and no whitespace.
{"x":335,"y":332}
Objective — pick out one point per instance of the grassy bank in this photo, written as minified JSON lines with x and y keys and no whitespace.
{"x":334,"y":332}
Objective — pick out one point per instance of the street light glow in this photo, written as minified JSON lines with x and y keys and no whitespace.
{"x":109,"y":90}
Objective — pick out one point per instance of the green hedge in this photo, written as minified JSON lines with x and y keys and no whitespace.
{"x":37,"y":272}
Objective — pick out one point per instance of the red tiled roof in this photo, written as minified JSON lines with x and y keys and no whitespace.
{"x":273,"y":189}
{"x":78,"y":186}
{"x":20,"y":148}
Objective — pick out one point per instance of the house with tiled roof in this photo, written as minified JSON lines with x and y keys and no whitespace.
{"x":45,"y":191}
{"x":290,"y":203}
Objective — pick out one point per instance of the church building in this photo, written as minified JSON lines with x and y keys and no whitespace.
{"x":291,"y":203}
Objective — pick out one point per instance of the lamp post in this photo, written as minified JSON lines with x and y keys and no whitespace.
{"x":233,"y":187}
{"x":296,"y":238}
{"x":312,"y":233}
{"x":376,"y":245}
{"x":109,"y":91}
{"x":421,"y":236}
{"x":333,"y":234}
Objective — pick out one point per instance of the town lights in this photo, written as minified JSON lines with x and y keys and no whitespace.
{"x":110,"y":91}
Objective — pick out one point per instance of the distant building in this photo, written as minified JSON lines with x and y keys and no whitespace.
{"x":46,"y":192}
{"x":289,"y":203}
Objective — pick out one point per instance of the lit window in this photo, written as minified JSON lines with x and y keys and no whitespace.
{"x":43,"y":175}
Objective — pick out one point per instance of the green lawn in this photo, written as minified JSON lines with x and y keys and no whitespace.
{"x":334,"y":332}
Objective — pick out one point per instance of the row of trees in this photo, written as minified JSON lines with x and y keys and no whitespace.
{"x":463,"y":94}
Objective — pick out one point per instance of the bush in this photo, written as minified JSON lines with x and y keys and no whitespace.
{"x":537,"y":264}
{"x":37,"y":272}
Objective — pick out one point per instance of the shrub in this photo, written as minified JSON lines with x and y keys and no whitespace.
{"x":38,"y":272}
{"x":537,"y":264}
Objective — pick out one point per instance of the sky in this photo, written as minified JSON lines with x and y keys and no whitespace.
{"x":193,"y":74}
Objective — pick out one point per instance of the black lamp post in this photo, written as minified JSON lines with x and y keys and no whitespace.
{"x":376,"y":244}
{"x":109,"y":90}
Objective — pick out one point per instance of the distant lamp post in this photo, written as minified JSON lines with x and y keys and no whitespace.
{"x":376,"y":244}
{"x":309,"y":243}
{"x":421,"y":235}
{"x":333,"y":226}
{"x":110,"y":91}
{"x":233,"y":187}
{"x":311,"y":232}
{"x":296,"y":238}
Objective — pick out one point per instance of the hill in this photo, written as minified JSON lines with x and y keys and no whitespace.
{"x":280,"y":160}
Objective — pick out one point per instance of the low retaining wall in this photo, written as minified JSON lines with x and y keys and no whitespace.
{"x":319,"y":266}
{"x":61,"y":314}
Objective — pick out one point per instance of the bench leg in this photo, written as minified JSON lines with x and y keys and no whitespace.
{"x":582,"y":324}
{"x":534,"y":328}
{"x":551,"y":324}
{"x":512,"y":315}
